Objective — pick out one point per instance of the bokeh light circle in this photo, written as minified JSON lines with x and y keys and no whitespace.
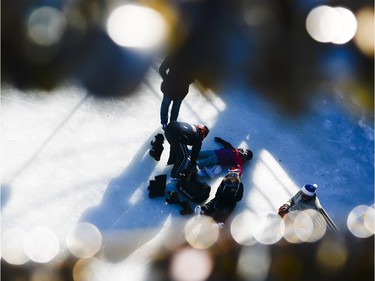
{"x":201,"y":233}
{"x":335,"y":25}
{"x":365,"y":35}
{"x":46,"y":26}
{"x":254,"y":262}
{"x":87,"y":269}
{"x":84,"y":240}
{"x":291,"y":228}
{"x":356,"y":221}
{"x":136,"y":26}
{"x":309,"y":225}
{"x":41,"y":244}
{"x":370,"y":219}
{"x":268,"y":229}
{"x":347,"y":26}
{"x":189,"y":264}
{"x":241,"y":229}
{"x":332,"y":253}
{"x":12,"y":249}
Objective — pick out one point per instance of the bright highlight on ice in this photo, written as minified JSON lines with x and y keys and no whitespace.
{"x":46,"y":26}
{"x":327,"y":24}
{"x":269,"y":174}
{"x":136,"y":26}
{"x":84,"y":240}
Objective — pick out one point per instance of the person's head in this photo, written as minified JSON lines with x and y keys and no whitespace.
{"x":308,"y":191}
{"x":246,"y":154}
{"x":204,"y":130}
{"x":233,"y":175}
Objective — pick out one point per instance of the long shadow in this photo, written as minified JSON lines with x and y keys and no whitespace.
{"x":126,"y":212}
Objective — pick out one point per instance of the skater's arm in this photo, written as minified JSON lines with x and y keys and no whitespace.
{"x":219,"y":191}
{"x":239,"y":193}
{"x":195,"y":152}
{"x":226,"y":144}
{"x":284,"y":209}
{"x":163,"y":69}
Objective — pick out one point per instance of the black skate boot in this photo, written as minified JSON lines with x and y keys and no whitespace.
{"x":157,"y":147}
{"x":172,"y":197}
{"x":157,"y":186}
{"x":186,"y":208}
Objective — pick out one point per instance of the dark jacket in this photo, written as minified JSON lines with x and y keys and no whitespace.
{"x":177,"y":77}
{"x":185,"y":133}
{"x":228,"y":194}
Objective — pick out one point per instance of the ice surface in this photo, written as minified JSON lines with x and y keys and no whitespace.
{"x":68,"y":157}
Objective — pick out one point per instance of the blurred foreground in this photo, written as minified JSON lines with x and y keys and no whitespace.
{"x":328,"y":259}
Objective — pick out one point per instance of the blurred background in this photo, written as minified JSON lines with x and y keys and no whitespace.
{"x":289,"y":51}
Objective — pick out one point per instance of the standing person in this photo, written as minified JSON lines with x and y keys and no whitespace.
{"x":177,"y":77}
{"x":210,"y":162}
{"x":180,"y":135}
{"x":229,"y":192}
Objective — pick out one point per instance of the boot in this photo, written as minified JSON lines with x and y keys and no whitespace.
{"x":186,"y":208}
{"x":157,"y":147}
{"x":152,"y":182}
{"x":173,"y":198}
{"x":152,"y":188}
{"x":160,"y":185}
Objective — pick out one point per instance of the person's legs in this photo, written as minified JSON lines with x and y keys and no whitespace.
{"x":164,"y":108}
{"x":207,"y":158}
{"x":182,"y":158}
{"x":175,"y":109}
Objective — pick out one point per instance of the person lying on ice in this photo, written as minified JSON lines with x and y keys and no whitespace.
{"x":179,"y":135}
{"x":210,"y":162}
{"x":229,"y":192}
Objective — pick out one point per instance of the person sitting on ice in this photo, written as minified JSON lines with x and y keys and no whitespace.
{"x":229,"y":192}
{"x":210,"y":162}
{"x":306,"y":199}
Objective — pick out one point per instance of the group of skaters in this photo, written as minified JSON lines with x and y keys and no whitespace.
{"x":188,"y":158}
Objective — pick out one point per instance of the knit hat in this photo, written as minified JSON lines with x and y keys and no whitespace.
{"x":249,"y":154}
{"x":234,"y":171}
{"x":309,"y":189}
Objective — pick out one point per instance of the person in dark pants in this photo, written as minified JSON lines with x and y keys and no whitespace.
{"x":228,"y":194}
{"x":177,"y":77}
{"x":180,"y":135}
